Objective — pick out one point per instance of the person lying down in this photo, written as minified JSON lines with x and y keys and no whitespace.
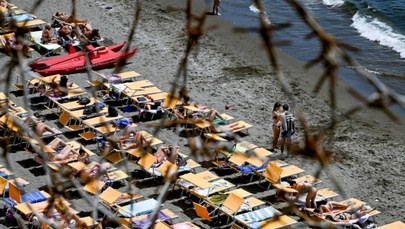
{"x":63,"y":152}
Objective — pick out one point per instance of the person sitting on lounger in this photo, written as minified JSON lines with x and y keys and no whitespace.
{"x":166,"y":154}
{"x":48,"y":36}
{"x":63,"y":153}
{"x":131,"y":138}
{"x":306,"y":188}
{"x":66,"y":35}
{"x":38,"y":127}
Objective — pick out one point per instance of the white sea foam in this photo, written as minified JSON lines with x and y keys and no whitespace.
{"x":375,"y":30}
{"x":333,"y":3}
{"x":255,"y":10}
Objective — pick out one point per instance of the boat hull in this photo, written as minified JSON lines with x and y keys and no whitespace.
{"x":78,"y":65}
{"x":41,"y":64}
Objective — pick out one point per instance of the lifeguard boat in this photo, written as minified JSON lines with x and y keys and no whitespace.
{"x":100,"y":57}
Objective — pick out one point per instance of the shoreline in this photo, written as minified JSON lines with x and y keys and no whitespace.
{"x":232,"y":68}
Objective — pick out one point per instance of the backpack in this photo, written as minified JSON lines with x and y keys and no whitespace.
{"x":288,"y":123}
{"x":84,"y":101}
{"x":112,"y":111}
{"x":88,"y":110}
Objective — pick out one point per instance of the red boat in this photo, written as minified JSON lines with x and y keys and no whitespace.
{"x":100,"y":57}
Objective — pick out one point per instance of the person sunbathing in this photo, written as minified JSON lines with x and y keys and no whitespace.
{"x":94,"y":169}
{"x":63,"y":152}
{"x":86,"y":31}
{"x":48,"y":36}
{"x":332,"y":207}
{"x":166,"y":154}
{"x":66,"y":34}
{"x":135,"y":140}
{"x":62,"y":16}
{"x":38,"y":127}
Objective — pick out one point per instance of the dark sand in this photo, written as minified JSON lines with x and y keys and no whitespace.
{"x":232,"y":68}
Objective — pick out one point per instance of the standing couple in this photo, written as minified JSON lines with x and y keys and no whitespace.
{"x":283,"y":122}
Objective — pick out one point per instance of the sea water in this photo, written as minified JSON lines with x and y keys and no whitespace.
{"x":375,"y":27}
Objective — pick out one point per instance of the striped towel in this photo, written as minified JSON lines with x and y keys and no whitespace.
{"x":257,"y":215}
{"x":33,"y":197}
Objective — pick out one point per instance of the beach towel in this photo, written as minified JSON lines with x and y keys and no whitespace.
{"x":249,"y":168}
{"x":140,"y":223}
{"x":184,"y":225}
{"x":32,"y":197}
{"x":253,"y":219}
{"x":140,"y":208}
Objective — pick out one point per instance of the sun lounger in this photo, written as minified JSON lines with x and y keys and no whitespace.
{"x":136,"y":209}
{"x":261,"y":218}
{"x":94,"y":186}
{"x":125,"y":76}
{"x":353,"y":207}
{"x":144,"y":91}
{"x":185,"y":225}
{"x":31,"y":24}
{"x":15,"y":196}
{"x":162,"y":215}
{"x":274,"y":173}
{"x":394,"y":225}
{"x":112,"y":197}
{"x":50,"y":47}
{"x":152,"y":141}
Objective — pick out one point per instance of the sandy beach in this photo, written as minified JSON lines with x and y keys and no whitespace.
{"x":232,"y":68}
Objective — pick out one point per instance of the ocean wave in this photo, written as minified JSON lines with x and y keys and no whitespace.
{"x":375,"y":30}
{"x":255,"y":10}
{"x":333,"y":3}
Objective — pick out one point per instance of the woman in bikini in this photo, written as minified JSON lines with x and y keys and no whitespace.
{"x":306,"y":188}
{"x":277,"y":117}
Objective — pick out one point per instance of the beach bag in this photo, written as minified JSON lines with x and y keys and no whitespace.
{"x":112,"y":111}
{"x":84,"y":101}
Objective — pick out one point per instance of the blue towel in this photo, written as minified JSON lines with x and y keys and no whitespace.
{"x":33,"y":197}
{"x":5,"y":176}
{"x":248,"y":168}
{"x":9,"y":201}
{"x":140,"y":208}
{"x":20,"y":18}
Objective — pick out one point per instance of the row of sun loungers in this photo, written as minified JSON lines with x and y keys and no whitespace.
{"x":212,"y":195}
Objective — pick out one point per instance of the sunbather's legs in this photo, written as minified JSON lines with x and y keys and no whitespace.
{"x":276,"y":135}
{"x":64,"y":154}
{"x":310,"y":200}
